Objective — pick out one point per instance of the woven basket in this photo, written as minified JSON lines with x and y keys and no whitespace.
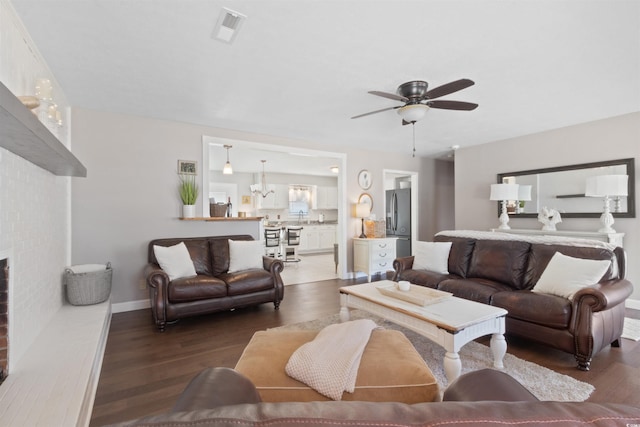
{"x":88,"y":288}
{"x":217,"y":209}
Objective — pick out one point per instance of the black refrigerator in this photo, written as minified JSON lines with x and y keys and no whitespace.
{"x":399,"y":219}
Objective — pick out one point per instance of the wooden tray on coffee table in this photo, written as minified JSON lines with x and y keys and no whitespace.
{"x":416,"y":294}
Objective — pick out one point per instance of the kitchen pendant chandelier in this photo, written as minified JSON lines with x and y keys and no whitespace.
{"x":227,"y":170}
{"x":262,"y":189}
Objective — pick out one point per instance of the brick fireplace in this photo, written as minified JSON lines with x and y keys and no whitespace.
{"x":4,"y":318}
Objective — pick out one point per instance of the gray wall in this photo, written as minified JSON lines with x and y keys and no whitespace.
{"x":130,"y":194}
{"x":476,"y":168}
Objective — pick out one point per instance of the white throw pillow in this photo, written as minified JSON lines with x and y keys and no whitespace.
{"x":245,"y":254}
{"x":432,"y":256}
{"x":565,"y":275}
{"x":175,"y":260}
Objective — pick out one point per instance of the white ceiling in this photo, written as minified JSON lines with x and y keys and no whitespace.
{"x":302,"y":68}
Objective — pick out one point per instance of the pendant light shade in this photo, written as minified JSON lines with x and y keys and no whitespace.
{"x":227,"y":170}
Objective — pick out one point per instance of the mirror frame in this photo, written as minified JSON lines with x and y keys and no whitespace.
{"x":631,"y":200}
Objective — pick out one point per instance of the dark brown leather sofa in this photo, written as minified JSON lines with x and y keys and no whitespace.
{"x":222,"y":397}
{"x":503,"y":272}
{"x":214,"y":288}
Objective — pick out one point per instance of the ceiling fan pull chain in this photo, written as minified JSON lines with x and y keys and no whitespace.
{"x":413,"y":126}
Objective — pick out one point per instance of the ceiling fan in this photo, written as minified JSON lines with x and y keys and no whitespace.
{"x":417,"y":99}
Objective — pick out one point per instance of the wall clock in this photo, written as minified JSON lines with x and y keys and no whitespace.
{"x":364,"y":179}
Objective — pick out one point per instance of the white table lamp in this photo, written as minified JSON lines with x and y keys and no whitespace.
{"x":607,"y":186}
{"x":362,"y":211}
{"x":502,"y":193}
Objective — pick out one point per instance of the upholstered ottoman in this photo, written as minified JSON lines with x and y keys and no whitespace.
{"x":391,"y":370}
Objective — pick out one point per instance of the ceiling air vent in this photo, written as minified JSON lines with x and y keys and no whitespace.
{"x":228,"y":25}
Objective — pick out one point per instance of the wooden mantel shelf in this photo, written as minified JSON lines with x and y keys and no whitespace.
{"x":23,"y":134}
{"x":222,"y":218}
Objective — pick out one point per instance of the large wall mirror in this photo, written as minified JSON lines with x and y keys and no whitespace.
{"x":564,"y":188}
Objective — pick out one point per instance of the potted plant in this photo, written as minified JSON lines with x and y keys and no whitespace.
{"x":188,"y":190}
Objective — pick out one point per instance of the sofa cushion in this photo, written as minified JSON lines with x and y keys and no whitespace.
{"x":245,"y":255}
{"x":541,"y":254}
{"x":500,"y":260}
{"x":432,"y":256}
{"x":381,"y":377}
{"x":175,"y":260}
{"x":248,"y":281}
{"x":196,"y":288}
{"x":542,"y":309}
{"x":460,"y":253}
{"x":565,"y":275}
{"x":479,"y":290}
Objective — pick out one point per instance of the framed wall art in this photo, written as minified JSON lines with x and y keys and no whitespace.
{"x":364,"y":179}
{"x":187,"y":167}
{"x":366,"y":199}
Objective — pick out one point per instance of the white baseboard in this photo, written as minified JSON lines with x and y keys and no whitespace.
{"x":122,"y":307}
{"x":632,"y":303}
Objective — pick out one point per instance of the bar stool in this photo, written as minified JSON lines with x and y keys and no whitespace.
{"x":292,"y":241}
{"x":272,"y":241}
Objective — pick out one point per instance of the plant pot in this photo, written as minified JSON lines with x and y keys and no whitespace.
{"x":188,"y":211}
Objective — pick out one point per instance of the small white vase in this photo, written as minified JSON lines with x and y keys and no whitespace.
{"x":188,"y":211}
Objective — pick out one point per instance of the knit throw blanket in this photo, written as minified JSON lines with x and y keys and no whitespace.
{"x":329,"y":364}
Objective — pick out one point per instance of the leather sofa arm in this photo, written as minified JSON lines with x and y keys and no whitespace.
{"x":272,"y":265}
{"x":155,"y":276}
{"x":158,"y":282}
{"x":402,"y":264}
{"x":604,"y":295}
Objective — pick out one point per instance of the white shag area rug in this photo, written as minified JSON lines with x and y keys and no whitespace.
{"x":544,"y":383}
{"x":631,"y":329}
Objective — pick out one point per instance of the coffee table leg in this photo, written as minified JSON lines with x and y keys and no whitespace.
{"x":499,"y":349}
{"x":452,"y":366}
{"x":344,"y":313}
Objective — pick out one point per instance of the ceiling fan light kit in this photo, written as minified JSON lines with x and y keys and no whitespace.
{"x":413,"y":112}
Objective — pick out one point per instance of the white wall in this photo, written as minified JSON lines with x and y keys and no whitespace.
{"x":476,"y":168}
{"x":130,"y":194}
{"x":34,"y":204}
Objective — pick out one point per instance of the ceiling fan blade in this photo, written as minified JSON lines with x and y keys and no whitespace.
{"x":389,"y":95}
{"x":452,"y":105}
{"x":448,"y":88}
{"x":377,"y":111}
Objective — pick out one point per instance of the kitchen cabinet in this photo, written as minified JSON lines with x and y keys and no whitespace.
{"x":318,"y":238}
{"x":326,"y":198}
{"x":373,"y":256}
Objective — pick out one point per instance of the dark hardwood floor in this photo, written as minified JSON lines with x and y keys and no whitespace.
{"x":144,"y":370}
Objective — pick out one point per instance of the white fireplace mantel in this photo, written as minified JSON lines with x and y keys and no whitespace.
{"x":23,"y":134}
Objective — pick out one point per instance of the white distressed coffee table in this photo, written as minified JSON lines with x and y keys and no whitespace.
{"x":450,"y":323}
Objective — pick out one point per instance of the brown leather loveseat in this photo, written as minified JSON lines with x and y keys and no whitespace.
{"x":214,"y":288}
{"x":222,"y":397}
{"x":502,"y":271}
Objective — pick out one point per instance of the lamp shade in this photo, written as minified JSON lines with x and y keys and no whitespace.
{"x":607,"y":185}
{"x":413,"y":112}
{"x":524,"y":192}
{"x":504,"y":192}
{"x":227,"y":170}
{"x":362,"y":210}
